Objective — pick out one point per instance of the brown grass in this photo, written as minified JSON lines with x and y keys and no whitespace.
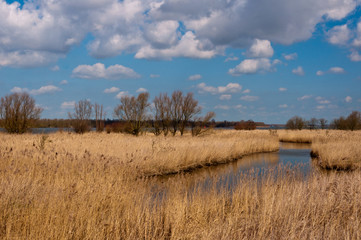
{"x":83,"y":187}
{"x":341,"y":150}
{"x":301,"y":136}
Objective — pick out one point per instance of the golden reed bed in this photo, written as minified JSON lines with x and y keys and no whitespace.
{"x":334,"y":149}
{"x":71,"y":186}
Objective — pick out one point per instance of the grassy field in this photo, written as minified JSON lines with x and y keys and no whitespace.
{"x":67,"y":186}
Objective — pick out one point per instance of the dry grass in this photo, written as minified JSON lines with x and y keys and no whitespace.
{"x":301,"y":136}
{"x":83,"y":187}
{"x":341,"y":150}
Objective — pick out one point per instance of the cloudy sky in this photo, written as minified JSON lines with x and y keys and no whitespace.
{"x":265,"y":60}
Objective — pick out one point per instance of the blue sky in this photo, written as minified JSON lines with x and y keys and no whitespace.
{"x":262,"y":60}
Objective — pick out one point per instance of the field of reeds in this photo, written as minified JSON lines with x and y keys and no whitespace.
{"x":333,"y":149}
{"x":92,"y":186}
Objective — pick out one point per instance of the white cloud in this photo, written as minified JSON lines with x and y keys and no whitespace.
{"x":246,"y":91}
{"x":261,"y":48}
{"x":68,"y":105}
{"x":154,"y":76}
{"x":225,"y":97}
{"x":339,"y":35}
{"x":320,"y":107}
{"x":55,"y":68}
{"x":357,"y":41}
{"x":249,"y":98}
{"x":321,"y":100}
{"x":122,"y":94}
{"x":140,"y":90}
{"x":355,"y":56}
{"x":111,"y":90}
{"x":188,"y":46}
{"x":231,"y":59}
{"x":229,"y":88}
{"x":348,"y":99}
{"x":283,"y":106}
{"x":282,"y":89}
{"x":63,"y":82}
{"x":41,"y":90}
{"x":304,"y":97}
{"x":98,"y":71}
{"x":223,"y":107}
{"x":251,"y":66}
{"x":298,"y":71}
{"x":320,"y":73}
{"x":337,"y":70}
{"x":291,"y":56}
{"x":195,"y":77}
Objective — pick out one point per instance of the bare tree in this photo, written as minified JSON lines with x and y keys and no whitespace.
{"x":199,"y":125}
{"x":81,"y":116}
{"x":162,"y":114}
{"x":295,"y":123}
{"x":190,"y":109}
{"x":134,"y":111}
{"x":99,"y":117}
{"x":176,"y":110}
{"x":354,"y":121}
{"x":312,"y":123}
{"x":18,"y":112}
{"x":323,"y":123}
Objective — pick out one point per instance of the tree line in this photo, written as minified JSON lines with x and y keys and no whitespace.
{"x":351,"y":122}
{"x":135,"y":114}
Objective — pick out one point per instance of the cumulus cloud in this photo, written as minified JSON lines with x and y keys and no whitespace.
{"x":320,"y":73}
{"x":291,"y":56}
{"x":283,"y":106}
{"x":41,"y":90}
{"x":304,"y":97}
{"x":141,"y":90}
{"x":348,"y":99}
{"x":68,"y":105}
{"x":251,"y":66}
{"x":321,"y":100}
{"x":223,"y":107}
{"x":261,"y":48}
{"x":195,"y":77}
{"x":249,"y":98}
{"x":298,"y":71}
{"x":122,"y":94}
{"x":229,"y":88}
{"x":339,"y":35}
{"x":98,"y":71}
{"x":40,"y":32}
{"x":111,"y":90}
{"x":63,"y":82}
{"x":282,"y":89}
{"x":355,"y":56}
{"x":246,"y":91}
{"x":55,"y":68}
{"x":225,"y":97}
{"x":154,"y":75}
{"x":231,"y":59}
{"x":337,"y":70}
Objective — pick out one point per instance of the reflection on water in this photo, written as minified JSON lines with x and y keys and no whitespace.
{"x":294,"y":157}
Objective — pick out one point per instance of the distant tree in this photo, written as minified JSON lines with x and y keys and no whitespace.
{"x":354,"y":121}
{"x":295,"y":122}
{"x":190,"y":109}
{"x":313,"y":123}
{"x":134,"y":111}
{"x":176,"y":110}
{"x":162,"y":114}
{"x":81,"y":116}
{"x":323,"y":123}
{"x":99,"y":117}
{"x":245,"y":125}
{"x":199,"y":125}
{"x":18,"y":112}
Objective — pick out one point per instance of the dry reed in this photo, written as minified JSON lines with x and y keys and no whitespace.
{"x":82,"y":187}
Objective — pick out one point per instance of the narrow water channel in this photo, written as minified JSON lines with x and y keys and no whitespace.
{"x":292,"y":157}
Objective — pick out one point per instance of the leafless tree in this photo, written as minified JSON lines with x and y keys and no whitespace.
{"x":162,"y":114}
{"x":99,"y":117}
{"x":176,"y":110}
{"x":18,"y":112}
{"x":323,"y":123}
{"x":190,"y":109}
{"x":134,"y":111}
{"x":199,"y":125}
{"x":295,"y":122}
{"x":81,"y":116}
